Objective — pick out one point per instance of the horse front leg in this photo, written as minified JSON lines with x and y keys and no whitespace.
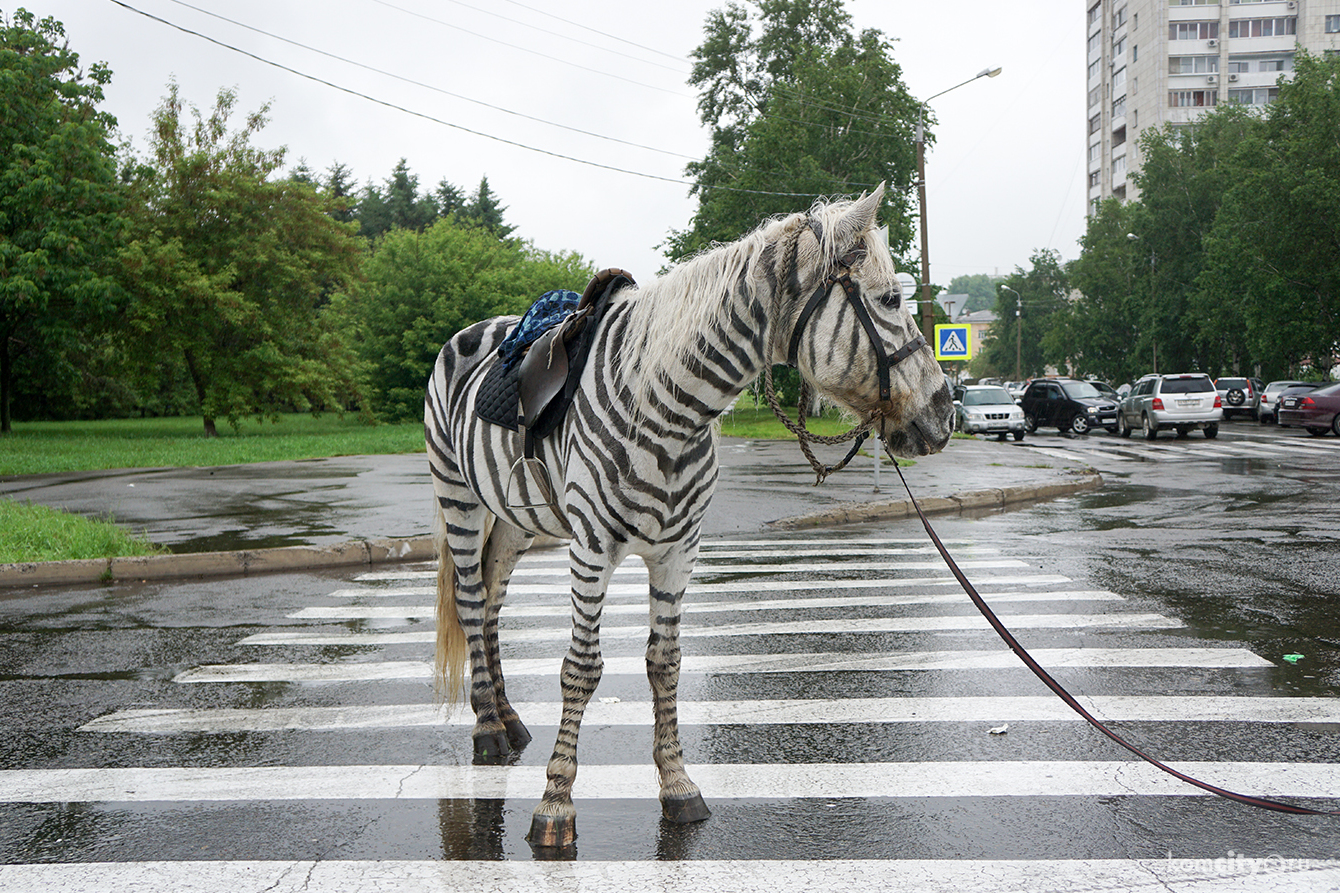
{"x":554,"y":822}
{"x":681,"y":801}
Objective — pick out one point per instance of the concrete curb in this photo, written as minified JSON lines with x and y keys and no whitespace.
{"x":216,"y":564}
{"x":972,"y":500}
{"x":201,"y":565}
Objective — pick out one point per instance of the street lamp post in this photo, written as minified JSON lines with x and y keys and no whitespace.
{"x":927,"y":310}
{"x":1018,"y":332}
{"x":1153,"y":296}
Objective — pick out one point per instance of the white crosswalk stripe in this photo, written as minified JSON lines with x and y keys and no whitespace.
{"x":354,"y":666}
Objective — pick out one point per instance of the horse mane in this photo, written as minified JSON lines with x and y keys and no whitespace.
{"x":670,"y":314}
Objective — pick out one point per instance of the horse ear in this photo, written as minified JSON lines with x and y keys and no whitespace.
{"x":859,"y":218}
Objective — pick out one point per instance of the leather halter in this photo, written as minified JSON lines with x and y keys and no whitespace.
{"x":884,"y":361}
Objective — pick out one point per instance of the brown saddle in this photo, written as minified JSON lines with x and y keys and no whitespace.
{"x":544,"y":371}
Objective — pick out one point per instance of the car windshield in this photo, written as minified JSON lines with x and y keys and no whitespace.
{"x":987,"y":397}
{"x":1078,"y":390}
{"x":1194,"y":385}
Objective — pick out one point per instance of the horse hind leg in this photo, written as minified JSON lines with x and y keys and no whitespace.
{"x":681,"y":800}
{"x":462,"y":612}
{"x":503,"y":549}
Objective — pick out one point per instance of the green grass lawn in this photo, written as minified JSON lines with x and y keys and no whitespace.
{"x":36,"y":533}
{"x":50,"y":447}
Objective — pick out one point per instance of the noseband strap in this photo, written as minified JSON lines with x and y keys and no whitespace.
{"x":884,"y":361}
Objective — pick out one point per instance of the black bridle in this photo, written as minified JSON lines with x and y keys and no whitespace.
{"x":884,"y":361}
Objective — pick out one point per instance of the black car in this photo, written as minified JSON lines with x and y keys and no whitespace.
{"x":1068,"y":405}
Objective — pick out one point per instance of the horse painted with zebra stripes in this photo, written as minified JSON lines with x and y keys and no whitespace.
{"x":634,"y":461}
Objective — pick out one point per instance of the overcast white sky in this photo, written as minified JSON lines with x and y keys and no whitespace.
{"x":1004,"y":178}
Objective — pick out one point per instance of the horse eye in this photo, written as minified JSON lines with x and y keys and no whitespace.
{"x":852,"y":258}
{"x":891,"y":299}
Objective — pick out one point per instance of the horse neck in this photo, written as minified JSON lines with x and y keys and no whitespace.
{"x":701,"y":377}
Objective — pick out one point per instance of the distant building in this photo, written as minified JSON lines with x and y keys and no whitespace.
{"x":979,"y":322}
{"x":1156,"y":62}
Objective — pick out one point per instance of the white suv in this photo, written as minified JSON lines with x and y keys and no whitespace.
{"x":1182,"y":402}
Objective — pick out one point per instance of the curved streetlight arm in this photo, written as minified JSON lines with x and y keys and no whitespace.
{"x":927,"y":312}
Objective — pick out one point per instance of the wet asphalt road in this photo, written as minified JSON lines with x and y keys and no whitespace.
{"x":1190,"y":575}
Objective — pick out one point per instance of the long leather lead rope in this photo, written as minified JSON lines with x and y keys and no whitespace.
{"x":1070,"y":700}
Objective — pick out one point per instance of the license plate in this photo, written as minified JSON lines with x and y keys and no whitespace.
{"x":1188,"y":402}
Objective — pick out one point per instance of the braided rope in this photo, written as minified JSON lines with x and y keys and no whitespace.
{"x":806,"y":436}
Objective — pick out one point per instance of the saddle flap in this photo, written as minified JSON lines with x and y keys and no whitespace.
{"x":543,"y":372}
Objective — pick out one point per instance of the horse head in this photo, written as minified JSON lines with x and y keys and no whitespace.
{"x":853,"y":338}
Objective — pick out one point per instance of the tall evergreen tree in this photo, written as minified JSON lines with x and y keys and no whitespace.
{"x":484,"y":210}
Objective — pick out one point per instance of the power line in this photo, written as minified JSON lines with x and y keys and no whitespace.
{"x":525,"y":24}
{"x":546,"y":56}
{"x":444,"y":92}
{"x":594,"y":31}
{"x":427,"y":117}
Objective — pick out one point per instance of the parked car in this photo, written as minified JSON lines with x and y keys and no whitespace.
{"x":1271,"y":394}
{"x":987,"y":409}
{"x":1317,"y":410}
{"x":1238,"y":396}
{"x":1106,"y":390}
{"x":1016,"y":389}
{"x":1068,"y":405}
{"x":1183,"y":402}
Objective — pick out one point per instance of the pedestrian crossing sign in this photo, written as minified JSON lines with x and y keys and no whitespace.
{"x":953,"y":342}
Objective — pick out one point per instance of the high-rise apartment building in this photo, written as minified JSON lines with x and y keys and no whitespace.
{"x":1156,"y":62}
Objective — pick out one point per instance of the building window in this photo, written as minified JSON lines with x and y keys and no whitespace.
{"x":1118,"y":137}
{"x":1193,"y":64}
{"x":1095,"y":123}
{"x":1095,"y":152}
{"x":1120,"y":192}
{"x":1095,"y":13}
{"x":1254,"y":96}
{"x":1095,"y":41}
{"x":1193,"y":30}
{"x":1118,"y":168}
{"x":1333,"y":24}
{"x":1263,"y":27}
{"x":1192,"y":98}
{"x":1093,"y":68}
{"x":1135,"y":53}
{"x":1118,"y":79}
{"x":1119,"y":108}
{"x":1094,"y":178}
{"x":1135,"y":21}
{"x":1119,"y":47}
{"x":1118,"y":18}
{"x":1095,"y":95}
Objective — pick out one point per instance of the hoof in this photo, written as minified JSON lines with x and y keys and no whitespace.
{"x":552,"y":832}
{"x":491,"y":749}
{"x":517,"y":734}
{"x":685,"y":810}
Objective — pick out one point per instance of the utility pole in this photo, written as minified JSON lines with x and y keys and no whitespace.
{"x":1018,"y":333}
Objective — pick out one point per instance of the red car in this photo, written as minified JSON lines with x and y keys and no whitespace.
{"x":1318,"y":411}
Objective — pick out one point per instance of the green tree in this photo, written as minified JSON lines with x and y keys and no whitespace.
{"x":484,"y":210}
{"x":422,"y":288}
{"x":59,"y":202}
{"x":799,"y":109}
{"x":1184,"y":175}
{"x":230,"y":271}
{"x":1274,"y":252}
{"x":1044,"y":289}
{"x":397,"y":204}
{"x":980,"y":289}
{"x":1102,"y":329}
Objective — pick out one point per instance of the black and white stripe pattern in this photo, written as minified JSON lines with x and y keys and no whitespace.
{"x":634,"y":462}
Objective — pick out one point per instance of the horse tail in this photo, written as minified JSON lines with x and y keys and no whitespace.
{"x":452,"y":648}
{"x":449,"y":659}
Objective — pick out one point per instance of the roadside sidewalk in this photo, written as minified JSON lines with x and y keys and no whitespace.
{"x":356,"y":510}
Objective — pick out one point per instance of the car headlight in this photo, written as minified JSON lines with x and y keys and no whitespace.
{"x":975,"y":416}
{"x":1093,"y":410}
